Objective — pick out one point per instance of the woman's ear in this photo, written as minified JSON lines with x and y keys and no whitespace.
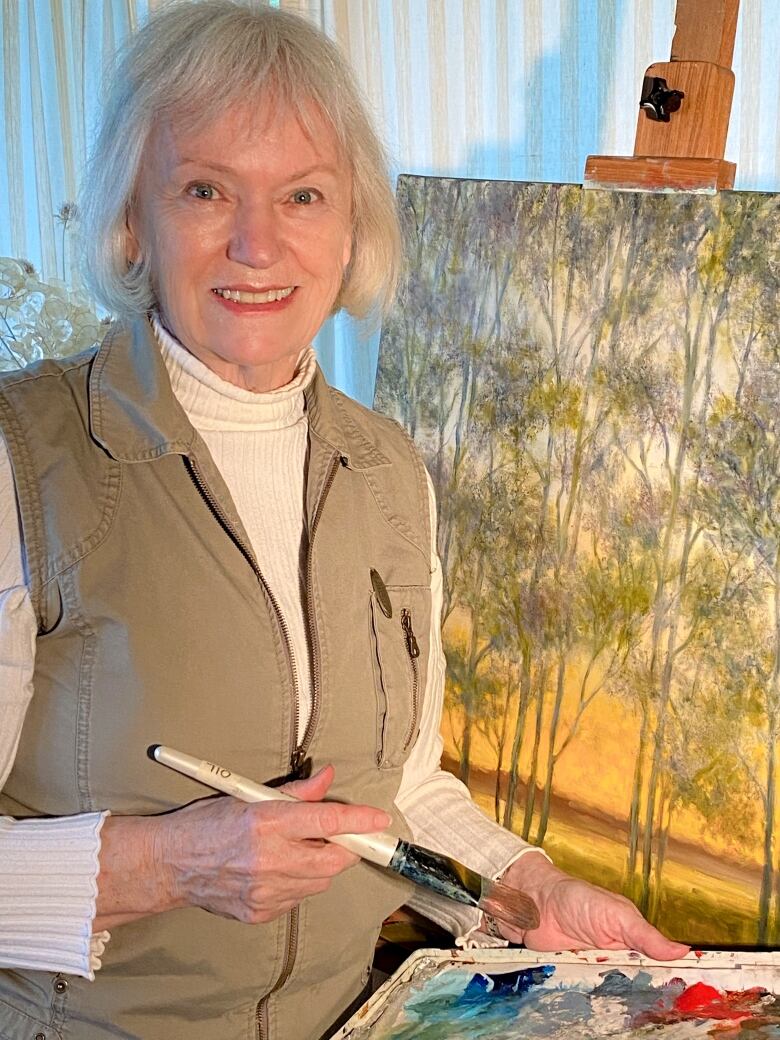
{"x":346,"y":255}
{"x":132,"y":245}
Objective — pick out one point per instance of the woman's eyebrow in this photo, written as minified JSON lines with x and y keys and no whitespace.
{"x":296,"y":175}
{"x":186,"y":161}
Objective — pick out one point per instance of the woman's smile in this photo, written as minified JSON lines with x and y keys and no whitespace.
{"x":255,"y":301}
{"x":254,"y":296}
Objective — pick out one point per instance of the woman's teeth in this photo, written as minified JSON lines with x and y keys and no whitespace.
{"x":254,"y":297}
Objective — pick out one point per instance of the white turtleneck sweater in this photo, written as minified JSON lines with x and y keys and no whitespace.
{"x":49,"y":867}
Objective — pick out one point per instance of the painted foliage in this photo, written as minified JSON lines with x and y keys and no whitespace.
{"x":594,"y":381}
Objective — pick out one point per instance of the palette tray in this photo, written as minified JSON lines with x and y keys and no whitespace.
{"x":518,"y":994}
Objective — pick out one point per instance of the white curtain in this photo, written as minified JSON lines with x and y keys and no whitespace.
{"x":519,"y":89}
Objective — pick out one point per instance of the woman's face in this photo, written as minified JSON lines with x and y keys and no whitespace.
{"x":247,"y":223}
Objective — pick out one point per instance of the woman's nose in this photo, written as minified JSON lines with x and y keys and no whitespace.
{"x":255,"y":238}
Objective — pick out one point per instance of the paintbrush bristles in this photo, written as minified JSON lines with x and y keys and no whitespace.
{"x":456,"y":881}
{"x":509,"y":905}
{"x":498,"y":900}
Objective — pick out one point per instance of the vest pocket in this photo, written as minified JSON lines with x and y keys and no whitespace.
{"x":16,"y":1025}
{"x":399,"y":630}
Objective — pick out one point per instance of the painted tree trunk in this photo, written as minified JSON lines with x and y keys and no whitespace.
{"x":630,"y":885}
{"x":523,"y":704}
{"x":770,"y":796}
{"x":552,"y":731}
{"x":530,"y":799}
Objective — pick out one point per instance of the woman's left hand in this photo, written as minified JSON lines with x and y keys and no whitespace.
{"x":576,"y":915}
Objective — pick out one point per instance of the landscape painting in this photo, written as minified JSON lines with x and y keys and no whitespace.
{"x":593,"y":379}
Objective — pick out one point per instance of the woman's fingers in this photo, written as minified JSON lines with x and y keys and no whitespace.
{"x":333,"y":817}
{"x":640,"y":935}
{"x":308,"y":860}
{"x":255,"y":861}
{"x":311,"y":820}
{"x":313,"y":788}
{"x":578,"y":915}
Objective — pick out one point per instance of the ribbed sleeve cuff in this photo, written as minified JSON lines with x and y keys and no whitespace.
{"x":48,"y":888}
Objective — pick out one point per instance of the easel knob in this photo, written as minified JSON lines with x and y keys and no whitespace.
{"x":688,"y":100}
{"x":658,"y":101}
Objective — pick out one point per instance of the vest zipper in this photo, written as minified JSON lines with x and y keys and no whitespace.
{"x":413,"y":650}
{"x":299,"y":750}
{"x":299,"y":754}
{"x":261,"y":1010}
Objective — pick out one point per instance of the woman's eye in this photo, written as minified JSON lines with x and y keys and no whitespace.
{"x":305,"y":196}
{"x":202,"y":191}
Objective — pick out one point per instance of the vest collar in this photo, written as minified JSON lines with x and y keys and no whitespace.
{"x":135,"y":416}
{"x":133,"y":411}
{"x":329,"y":422}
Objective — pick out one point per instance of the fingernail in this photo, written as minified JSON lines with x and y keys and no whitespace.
{"x":382,"y":821}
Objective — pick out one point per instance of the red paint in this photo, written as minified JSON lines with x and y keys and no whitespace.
{"x":698,"y":953}
{"x":702,"y":1002}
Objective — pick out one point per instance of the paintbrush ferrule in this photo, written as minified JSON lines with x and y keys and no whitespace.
{"x":434,"y":871}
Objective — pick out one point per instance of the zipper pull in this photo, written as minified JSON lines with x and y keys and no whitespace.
{"x":411,"y":641}
{"x":300,"y":765}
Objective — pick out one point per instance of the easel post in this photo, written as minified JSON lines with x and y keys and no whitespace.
{"x":683,"y":147}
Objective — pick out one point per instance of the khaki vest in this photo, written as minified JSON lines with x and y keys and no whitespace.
{"x":155,"y":626}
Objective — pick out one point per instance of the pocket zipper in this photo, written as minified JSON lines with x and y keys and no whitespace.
{"x":413,"y":650}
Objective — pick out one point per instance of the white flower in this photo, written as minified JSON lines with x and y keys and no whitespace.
{"x":41,"y":319}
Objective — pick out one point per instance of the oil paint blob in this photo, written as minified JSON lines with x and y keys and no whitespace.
{"x":531,"y":1003}
{"x":582,"y":999}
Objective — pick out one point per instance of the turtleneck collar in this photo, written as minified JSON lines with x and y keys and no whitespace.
{"x":211,"y":403}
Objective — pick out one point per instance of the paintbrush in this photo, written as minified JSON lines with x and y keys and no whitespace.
{"x":440,"y":873}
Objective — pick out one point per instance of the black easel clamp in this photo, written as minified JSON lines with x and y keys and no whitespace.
{"x":658,"y":100}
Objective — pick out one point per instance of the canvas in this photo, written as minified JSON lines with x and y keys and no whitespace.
{"x":505,"y":995}
{"x":593,"y":379}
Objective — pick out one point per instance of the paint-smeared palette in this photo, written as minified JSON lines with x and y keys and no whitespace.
{"x":517,"y":995}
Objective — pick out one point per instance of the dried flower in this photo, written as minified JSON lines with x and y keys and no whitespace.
{"x":67,"y":213}
{"x":41,"y":319}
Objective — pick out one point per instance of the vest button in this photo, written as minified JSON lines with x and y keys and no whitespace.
{"x":60,"y":985}
{"x":380,"y":591}
{"x":40,"y":1036}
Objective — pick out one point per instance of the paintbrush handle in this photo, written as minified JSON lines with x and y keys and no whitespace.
{"x":377,"y":847}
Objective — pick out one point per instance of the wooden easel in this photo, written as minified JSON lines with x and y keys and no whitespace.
{"x":682,"y":148}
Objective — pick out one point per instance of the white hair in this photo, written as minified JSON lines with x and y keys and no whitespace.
{"x":193,"y":60}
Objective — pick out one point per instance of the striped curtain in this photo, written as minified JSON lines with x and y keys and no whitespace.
{"x":520,"y":89}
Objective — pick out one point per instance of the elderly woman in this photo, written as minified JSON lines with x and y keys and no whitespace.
{"x":206,"y":546}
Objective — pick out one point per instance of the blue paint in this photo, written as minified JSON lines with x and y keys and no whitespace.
{"x":468,"y":1006}
{"x":516,"y":982}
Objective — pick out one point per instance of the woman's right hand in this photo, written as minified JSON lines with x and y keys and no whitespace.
{"x":249,"y":862}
